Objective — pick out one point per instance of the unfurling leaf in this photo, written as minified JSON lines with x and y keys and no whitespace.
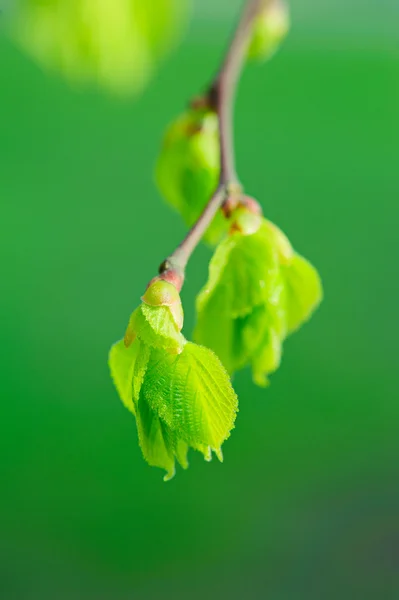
{"x":128,"y":367}
{"x":270,"y":29}
{"x":193,"y":395}
{"x":303,"y":291}
{"x":179,"y":392}
{"x":245,"y":267}
{"x":188,"y":168}
{"x":159,"y":319}
{"x":259,"y":290}
{"x":153,"y":439}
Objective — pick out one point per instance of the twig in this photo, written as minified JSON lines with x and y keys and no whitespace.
{"x":220,"y":97}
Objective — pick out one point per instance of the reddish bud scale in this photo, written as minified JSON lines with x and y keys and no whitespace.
{"x":251,"y":205}
{"x":173,"y":277}
{"x":284,"y":247}
{"x":200,"y":103}
{"x":229,"y":206}
{"x":170,"y":276}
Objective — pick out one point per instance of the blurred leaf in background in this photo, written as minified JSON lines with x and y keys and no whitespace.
{"x":115,"y":44}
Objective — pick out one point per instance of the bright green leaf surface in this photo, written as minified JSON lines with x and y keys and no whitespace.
{"x":215,"y":327}
{"x":128,"y":366}
{"x":153,"y":439}
{"x":247,"y":267}
{"x":159,"y":444}
{"x":156,"y":327}
{"x":192,"y":393}
{"x":303,"y":291}
{"x":121,"y":363}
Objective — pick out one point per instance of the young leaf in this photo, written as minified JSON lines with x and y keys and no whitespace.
{"x":268,"y":358}
{"x":192,"y":394}
{"x":156,"y":327}
{"x":259,"y":290}
{"x":215,"y":327}
{"x":262,"y":337}
{"x":179,"y":446}
{"x":303,"y":291}
{"x":255,"y":339}
{"x":128,"y":366}
{"x":154,"y":440}
{"x":246,"y":266}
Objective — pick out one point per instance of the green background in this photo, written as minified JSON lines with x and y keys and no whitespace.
{"x":305,"y":505}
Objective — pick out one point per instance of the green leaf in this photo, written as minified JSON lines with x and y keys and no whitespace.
{"x":193,"y":395}
{"x":156,"y":327}
{"x":159,"y":444}
{"x":303,"y":291}
{"x":262,"y":335}
{"x":140,"y":368}
{"x":254,"y":339}
{"x":179,"y":446}
{"x":154,"y":439}
{"x":128,"y":366}
{"x":259,"y":290}
{"x":215,"y":327}
{"x":247,"y":267}
{"x":268,"y":358}
{"x":241,"y":298}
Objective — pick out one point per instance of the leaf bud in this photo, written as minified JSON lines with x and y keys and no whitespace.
{"x":270,"y":28}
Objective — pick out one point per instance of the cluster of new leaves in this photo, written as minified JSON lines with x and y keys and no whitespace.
{"x":258,"y":292}
{"x":178,"y":391}
{"x":113,"y":43}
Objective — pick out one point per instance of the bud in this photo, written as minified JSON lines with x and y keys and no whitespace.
{"x":188,"y":167}
{"x":270,"y":29}
{"x":163,"y":293}
{"x":251,"y":204}
{"x":158,"y":320}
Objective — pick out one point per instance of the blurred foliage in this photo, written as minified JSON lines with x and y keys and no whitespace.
{"x":188,"y":167}
{"x":114,"y":44}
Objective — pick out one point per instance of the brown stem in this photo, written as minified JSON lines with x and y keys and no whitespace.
{"x":222,"y":91}
{"x":220,"y":97}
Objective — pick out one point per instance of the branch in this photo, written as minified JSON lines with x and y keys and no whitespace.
{"x":220,"y":97}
